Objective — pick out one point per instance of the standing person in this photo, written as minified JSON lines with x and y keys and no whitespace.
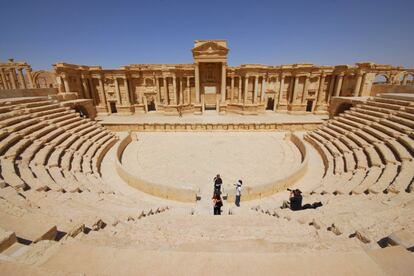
{"x":238,"y":192}
{"x":217,"y":184}
{"x":217,"y":204}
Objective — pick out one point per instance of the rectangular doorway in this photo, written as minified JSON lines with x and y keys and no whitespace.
{"x":112,"y":105}
{"x":309,"y":106}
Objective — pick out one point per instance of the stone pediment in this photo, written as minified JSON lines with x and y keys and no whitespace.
{"x":210,"y":49}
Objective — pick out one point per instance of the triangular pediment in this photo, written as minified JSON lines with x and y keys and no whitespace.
{"x":210,"y":46}
{"x":210,"y":50}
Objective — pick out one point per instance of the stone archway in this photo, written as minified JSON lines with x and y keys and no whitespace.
{"x":83,"y":112}
{"x":381,"y":78}
{"x":341,"y":108}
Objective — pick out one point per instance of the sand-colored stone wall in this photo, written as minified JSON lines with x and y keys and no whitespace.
{"x":30,"y":92}
{"x":257,"y":192}
{"x":391,"y":88}
{"x":304,"y":126}
{"x":178,"y":194}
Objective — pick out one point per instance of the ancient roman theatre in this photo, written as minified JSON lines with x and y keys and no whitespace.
{"x":110,"y":171}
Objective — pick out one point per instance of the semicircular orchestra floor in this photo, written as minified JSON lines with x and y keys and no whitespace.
{"x":192,"y":159}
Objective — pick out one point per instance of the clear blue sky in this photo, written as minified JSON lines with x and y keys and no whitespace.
{"x":115,"y":33}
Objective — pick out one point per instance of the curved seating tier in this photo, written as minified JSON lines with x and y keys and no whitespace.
{"x":44,"y":146}
{"x":367,"y":149}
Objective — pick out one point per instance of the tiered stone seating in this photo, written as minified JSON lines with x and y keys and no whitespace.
{"x":42,"y":146}
{"x":375,"y":142}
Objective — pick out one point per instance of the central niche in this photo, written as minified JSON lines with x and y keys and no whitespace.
{"x":210,"y":81}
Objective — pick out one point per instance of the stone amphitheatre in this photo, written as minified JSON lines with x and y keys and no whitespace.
{"x":110,"y":171}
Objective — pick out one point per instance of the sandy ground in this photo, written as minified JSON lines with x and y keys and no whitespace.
{"x":191,"y":160}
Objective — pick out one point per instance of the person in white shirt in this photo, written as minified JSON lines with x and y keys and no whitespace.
{"x":238,"y":192}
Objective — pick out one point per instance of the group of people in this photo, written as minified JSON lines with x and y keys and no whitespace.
{"x":294,"y":203}
{"x":217,"y":200}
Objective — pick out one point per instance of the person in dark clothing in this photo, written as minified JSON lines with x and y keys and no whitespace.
{"x":217,"y":184}
{"x":295,"y":200}
{"x":217,"y":203}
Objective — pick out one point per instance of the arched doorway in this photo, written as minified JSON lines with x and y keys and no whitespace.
{"x":83,"y":113}
{"x":342,"y":108}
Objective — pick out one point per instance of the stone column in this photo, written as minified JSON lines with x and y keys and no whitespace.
{"x":232,"y":89}
{"x":175,"y":89}
{"x":158,"y":89}
{"x":289,"y":96}
{"x":361,"y":88}
{"x":239,"y":96}
{"x":81,"y":91}
{"x":246,"y":84}
{"x":256,"y":84}
{"x":118,"y":92}
{"x":305,"y":88}
{"x":30,"y":78}
{"x":91,"y":89}
{"x":282,"y":83}
{"x":164,"y":83}
{"x":358,"y":84}
{"x":331,"y":87}
{"x":12,"y":76}
{"x":22,"y":83}
{"x":188,"y":101}
{"x":263,"y":92}
{"x":102,"y":95}
{"x":181,"y":91}
{"x":320,"y":88}
{"x":197,"y":83}
{"x":127,"y":95}
{"x":66,"y":83}
{"x":339,"y":85}
{"x":223,"y":82}
{"x":85,"y":87}
{"x":3,"y":77}
{"x":295,"y":89}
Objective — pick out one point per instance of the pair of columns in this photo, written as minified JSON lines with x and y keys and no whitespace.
{"x":360,"y":79}
{"x":19,"y":82}
{"x":180,"y":94}
{"x":255,"y":88}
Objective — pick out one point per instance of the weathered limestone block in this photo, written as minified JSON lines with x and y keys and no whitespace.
{"x":403,"y":238}
{"x":7,"y":238}
{"x":363,"y":237}
{"x":76,"y":229}
{"x":48,"y":235}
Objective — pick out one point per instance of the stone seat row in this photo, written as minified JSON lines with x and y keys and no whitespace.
{"x":353,"y":217}
{"x":363,"y":155}
{"x":41,"y":129}
{"x":29,"y":219}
